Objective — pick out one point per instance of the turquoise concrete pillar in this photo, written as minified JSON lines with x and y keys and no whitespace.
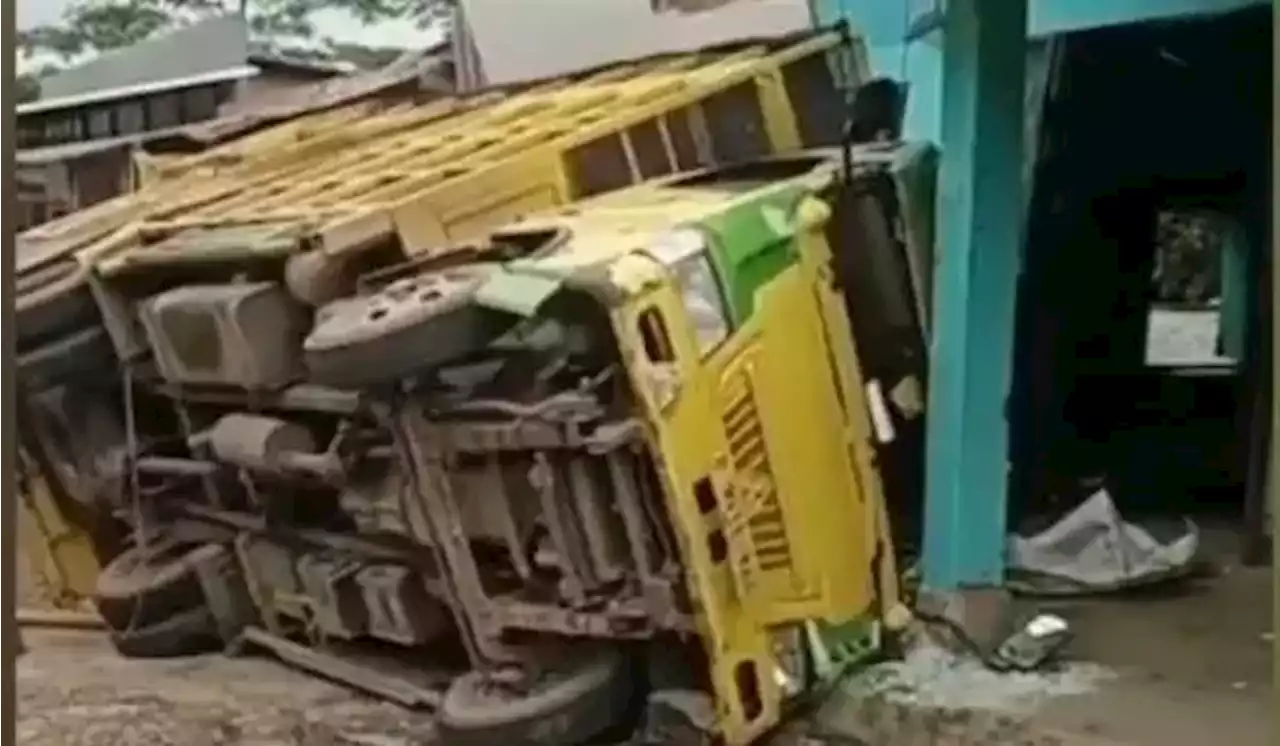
{"x":980,"y":220}
{"x":1237,"y":292}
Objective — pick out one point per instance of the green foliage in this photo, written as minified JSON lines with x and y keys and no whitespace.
{"x":1189,"y":257}
{"x":366,"y":58}
{"x":27,"y":87}
{"x":98,"y":25}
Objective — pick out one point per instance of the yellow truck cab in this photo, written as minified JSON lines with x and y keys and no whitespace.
{"x":714,"y":295}
{"x":738,"y":347}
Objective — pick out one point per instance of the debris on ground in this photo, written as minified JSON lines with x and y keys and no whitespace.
{"x":1094,"y":549}
{"x":1033,"y":645}
{"x":931,"y":676}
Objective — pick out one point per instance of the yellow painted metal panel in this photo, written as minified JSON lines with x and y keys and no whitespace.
{"x":402,"y":174}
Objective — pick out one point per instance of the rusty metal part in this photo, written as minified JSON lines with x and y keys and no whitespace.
{"x":120,"y":319}
{"x":52,"y":299}
{"x":60,"y":619}
{"x":487,"y":437}
{"x":79,"y":434}
{"x":375,"y":499}
{"x":370,"y":681}
{"x":569,"y":553}
{"x":299,"y":398}
{"x":623,"y":475}
{"x":248,"y":335}
{"x":208,"y":483}
{"x":272,"y":579}
{"x":659,"y":592}
{"x":565,"y":407}
{"x":399,"y":609}
{"x":225,"y":589}
{"x":82,"y":354}
{"x":257,"y":442}
{"x":269,"y":444}
{"x":339,"y":608}
{"x":531,"y":435}
{"x":175,"y":467}
{"x":600,"y":524}
{"x":344,"y":543}
{"x":577,"y":488}
{"x":627,"y":620}
{"x":434,"y":496}
{"x":504,"y":509}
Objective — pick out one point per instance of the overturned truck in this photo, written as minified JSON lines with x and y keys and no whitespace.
{"x":463,"y":420}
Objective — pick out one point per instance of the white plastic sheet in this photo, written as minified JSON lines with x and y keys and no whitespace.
{"x":1094,"y":549}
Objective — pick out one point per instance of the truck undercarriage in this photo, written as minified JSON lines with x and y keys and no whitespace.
{"x":499,"y":502}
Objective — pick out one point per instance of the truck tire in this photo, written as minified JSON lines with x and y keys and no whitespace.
{"x":146,"y":586}
{"x":414,"y":324}
{"x":570,"y":707}
{"x":189,"y":632}
{"x":56,"y":299}
{"x":88,"y":352}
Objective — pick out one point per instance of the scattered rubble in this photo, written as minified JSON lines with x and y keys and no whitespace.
{"x":931,"y":676}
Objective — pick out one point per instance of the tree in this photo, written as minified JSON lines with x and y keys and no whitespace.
{"x":99,"y":25}
{"x":1189,"y":256}
{"x":28,"y":88}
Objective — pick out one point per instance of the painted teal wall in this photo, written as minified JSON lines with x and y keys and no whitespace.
{"x":884,"y":24}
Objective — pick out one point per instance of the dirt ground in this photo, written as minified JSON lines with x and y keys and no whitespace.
{"x":1187,"y":666}
{"x":73,"y":690}
{"x":1194,"y":660}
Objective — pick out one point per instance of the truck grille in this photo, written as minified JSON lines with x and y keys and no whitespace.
{"x":754,"y":516}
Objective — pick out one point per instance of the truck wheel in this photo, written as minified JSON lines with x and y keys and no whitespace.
{"x":88,"y":352}
{"x":189,"y":632}
{"x":146,"y":586}
{"x":571,"y":706}
{"x":413,"y":324}
{"x":51,"y":300}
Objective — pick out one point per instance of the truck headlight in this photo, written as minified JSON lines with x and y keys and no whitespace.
{"x":686,"y":252}
{"x":791,"y":662}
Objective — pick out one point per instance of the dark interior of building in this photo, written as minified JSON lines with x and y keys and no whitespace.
{"x":1143,"y":124}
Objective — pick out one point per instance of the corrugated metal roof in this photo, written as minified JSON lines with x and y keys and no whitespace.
{"x":210,"y":46}
{"x":46,"y":104}
{"x":294,"y":102}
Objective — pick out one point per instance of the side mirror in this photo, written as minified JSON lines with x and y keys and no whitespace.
{"x":877,"y":112}
{"x":875,"y":115}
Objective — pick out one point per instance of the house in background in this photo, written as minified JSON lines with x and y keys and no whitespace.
{"x":75,"y":141}
{"x":416,"y":74}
